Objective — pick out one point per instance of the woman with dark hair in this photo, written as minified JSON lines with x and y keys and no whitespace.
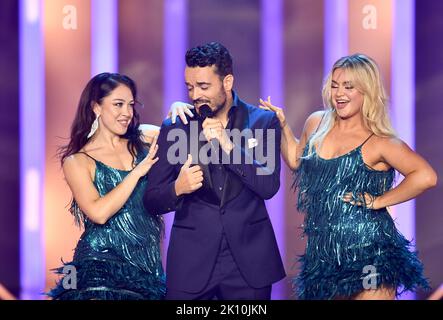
{"x":105,"y":165}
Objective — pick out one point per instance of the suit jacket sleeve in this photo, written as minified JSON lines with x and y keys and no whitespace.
{"x":258,"y":176}
{"x":160,"y":194}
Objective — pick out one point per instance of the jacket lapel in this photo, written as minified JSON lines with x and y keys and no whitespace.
{"x":206,"y":192}
{"x":233,"y":184}
{"x":207,"y":180}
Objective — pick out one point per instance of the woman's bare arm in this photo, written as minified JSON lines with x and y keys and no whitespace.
{"x":291,"y":147}
{"x":419,"y":175}
{"x":100,"y":209}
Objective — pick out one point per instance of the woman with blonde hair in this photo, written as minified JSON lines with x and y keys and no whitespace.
{"x":344,"y":165}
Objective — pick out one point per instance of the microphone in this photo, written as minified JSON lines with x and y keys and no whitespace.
{"x":206,"y":112}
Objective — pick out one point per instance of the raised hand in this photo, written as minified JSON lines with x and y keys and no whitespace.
{"x":189,"y":179}
{"x":180,"y":109}
{"x":146,"y":164}
{"x":267,"y":105}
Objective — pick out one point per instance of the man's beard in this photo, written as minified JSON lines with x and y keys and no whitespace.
{"x":218,"y":107}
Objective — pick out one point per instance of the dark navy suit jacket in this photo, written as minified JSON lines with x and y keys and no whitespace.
{"x":202,"y":217}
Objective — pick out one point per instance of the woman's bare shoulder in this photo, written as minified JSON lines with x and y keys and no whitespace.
{"x":313,"y":121}
{"x":78,"y":162}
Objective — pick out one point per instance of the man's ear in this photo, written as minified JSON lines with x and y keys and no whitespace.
{"x":228,"y":82}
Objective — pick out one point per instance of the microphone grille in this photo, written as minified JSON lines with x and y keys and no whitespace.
{"x":205,"y":112}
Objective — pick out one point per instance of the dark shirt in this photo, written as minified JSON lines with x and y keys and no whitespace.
{"x":217,"y":170}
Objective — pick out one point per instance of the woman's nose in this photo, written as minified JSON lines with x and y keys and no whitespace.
{"x":126,"y":110}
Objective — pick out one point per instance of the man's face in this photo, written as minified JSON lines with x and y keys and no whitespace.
{"x":205,"y":87}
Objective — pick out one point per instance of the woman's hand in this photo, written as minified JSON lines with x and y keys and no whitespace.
{"x":366,"y":200}
{"x":267,"y":105}
{"x":146,"y":164}
{"x":180,"y":109}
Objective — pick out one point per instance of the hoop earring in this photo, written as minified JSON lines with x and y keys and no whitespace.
{"x":94,"y":127}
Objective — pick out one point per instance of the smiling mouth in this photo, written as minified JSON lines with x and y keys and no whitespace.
{"x":124,"y":123}
{"x":341,"y":103}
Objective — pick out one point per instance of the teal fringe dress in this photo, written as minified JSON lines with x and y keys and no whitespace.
{"x":349,"y":246}
{"x":119,"y":260}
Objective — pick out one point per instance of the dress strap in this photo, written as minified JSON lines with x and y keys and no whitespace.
{"x":366,"y":140}
{"x":321,"y":120}
{"x":88,"y":156}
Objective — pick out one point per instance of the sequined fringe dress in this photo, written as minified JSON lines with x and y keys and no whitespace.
{"x":349,"y":248}
{"x":119,"y":260}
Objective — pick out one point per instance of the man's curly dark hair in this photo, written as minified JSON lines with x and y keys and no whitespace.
{"x":210,"y":54}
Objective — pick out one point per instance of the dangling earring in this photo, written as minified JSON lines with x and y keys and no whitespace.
{"x":94,"y":127}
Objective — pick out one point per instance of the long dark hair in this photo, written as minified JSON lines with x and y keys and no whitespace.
{"x":98,"y":88}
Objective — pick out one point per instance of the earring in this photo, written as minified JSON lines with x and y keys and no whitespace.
{"x":94,"y":127}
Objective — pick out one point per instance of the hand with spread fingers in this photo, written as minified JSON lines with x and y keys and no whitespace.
{"x":180,"y":109}
{"x":146,"y":164}
{"x":267,"y":105}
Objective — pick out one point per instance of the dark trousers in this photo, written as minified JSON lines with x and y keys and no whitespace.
{"x":225,"y":283}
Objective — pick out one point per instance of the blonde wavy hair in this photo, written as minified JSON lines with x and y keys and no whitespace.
{"x":365,"y":77}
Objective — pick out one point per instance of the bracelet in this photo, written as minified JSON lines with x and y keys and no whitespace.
{"x":369,"y":204}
